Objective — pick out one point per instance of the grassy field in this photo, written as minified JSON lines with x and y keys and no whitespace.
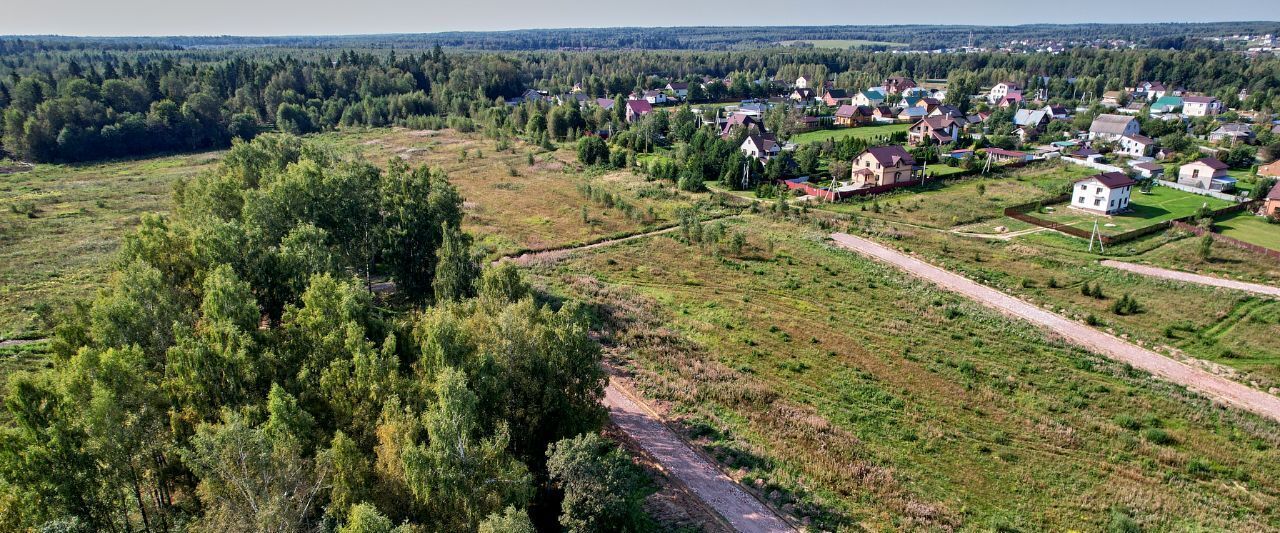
{"x":961,"y":202}
{"x":1159,"y":205}
{"x":1249,"y":228}
{"x":858,"y":132}
{"x":61,"y":223}
{"x":842,"y":44}
{"x":862,"y":398}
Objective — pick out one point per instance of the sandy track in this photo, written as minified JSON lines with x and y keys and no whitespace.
{"x":741,"y":510}
{"x":1265,"y":290}
{"x":1214,"y":387}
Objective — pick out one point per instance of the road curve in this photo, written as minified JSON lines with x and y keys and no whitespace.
{"x":1212,"y":386}
{"x":731,"y":501}
{"x":1256,"y":288}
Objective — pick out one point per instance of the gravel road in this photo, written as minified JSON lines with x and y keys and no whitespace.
{"x":1265,"y":290}
{"x":1214,"y":387}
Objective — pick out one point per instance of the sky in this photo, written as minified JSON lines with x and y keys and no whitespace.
{"x":344,"y":17}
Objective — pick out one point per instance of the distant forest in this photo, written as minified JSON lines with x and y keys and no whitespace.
{"x":65,"y":99}
{"x":918,"y":37}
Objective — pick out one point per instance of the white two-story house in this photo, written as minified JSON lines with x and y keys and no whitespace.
{"x":1104,"y":194}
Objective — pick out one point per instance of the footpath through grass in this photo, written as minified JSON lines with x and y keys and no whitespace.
{"x":854,"y":394}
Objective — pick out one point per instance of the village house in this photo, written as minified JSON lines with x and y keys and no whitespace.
{"x":637,"y":109}
{"x":1057,"y":112}
{"x":897,"y":84}
{"x":744,"y":120}
{"x":1207,"y":173}
{"x":1000,"y":155}
{"x":947,"y":111}
{"x":1003,"y":90}
{"x":1233,"y":132}
{"x":760,"y":146}
{"x":853,"y":115}
{"x":679,"y":88}
{"x":1136,"y":145}
{"x":1200,"y":106}
{"x":929,"y":104}
{"x":1112,"y":98}
{"x":655,"y":97}
{"x":1033,"y":119}
{"x":1270,"y":170}
{"x":883,"y":165}
{"x":834,"y":97}
{"x":1149,"y":90}
{"x":933,"y":130}
{"x":1111,"y":127}
{"x":911,"y":114}
{"x":1149,"y":169}
{"x":802,"y":82}
{"x":1134,"y":107}
{"x":1104,"y":194}
{"x":869,"y":98}
{"x":605,"y":103}
{"x":1271,"y":203}
{"x":802,"y":95}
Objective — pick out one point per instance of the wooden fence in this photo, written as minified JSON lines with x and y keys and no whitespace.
{"x":1274,"y":254}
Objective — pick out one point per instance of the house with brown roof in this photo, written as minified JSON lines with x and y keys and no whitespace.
{"x":679,"y":88}
{"x":1104,"y":194}
{"x":897,"y":84}
{"x":1136,"y":145}
{"x":853,"y":115}
{"x":834,"y":97}
{"x":637,"y":109}
{"x":802,"y":94}
{"x":1206,"y":173}
{"x":884,"y":165}
{"x":750,"y":122}
{"x":1271,"y":203}
{"x":1149,"y":169}
{"x":760,"y":146}
{"x":933,"y":130}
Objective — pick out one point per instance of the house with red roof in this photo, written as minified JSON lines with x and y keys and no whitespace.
{"x":1104,"y":194}
{"x":1271,"y":203}
{"x":637,"y":109}
{"x":852,"y":115}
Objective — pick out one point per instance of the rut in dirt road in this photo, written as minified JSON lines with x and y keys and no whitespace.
{"x":1215,"y":387}
{"x":731,"y":501}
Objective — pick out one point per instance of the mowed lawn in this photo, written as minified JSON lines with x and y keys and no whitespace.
{"x":1159,"y":205}
{"x":965,"y":201}
{"x":867,"y":399}
{"x":857,"y":132}
{"x":1250,"y":228}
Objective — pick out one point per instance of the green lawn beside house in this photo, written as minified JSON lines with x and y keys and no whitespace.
{"x":1250,"y":228}
{"x":1147,"y":208}
{"x":858,"y":132}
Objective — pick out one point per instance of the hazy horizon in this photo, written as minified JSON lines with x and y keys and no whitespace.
{"x":283,"y":18}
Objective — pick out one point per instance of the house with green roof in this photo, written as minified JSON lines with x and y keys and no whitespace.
{"x":870,"y":98}
{"x":1166,"y":104}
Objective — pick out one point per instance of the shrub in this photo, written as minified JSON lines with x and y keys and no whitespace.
{"x":1158,"y":436}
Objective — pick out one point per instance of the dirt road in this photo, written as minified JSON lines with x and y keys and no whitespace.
{"x":741,"y":510}
{"x":1214,"y":387}
{"x":1265,"y":290}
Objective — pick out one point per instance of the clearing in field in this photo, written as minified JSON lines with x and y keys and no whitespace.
{"x":857,"y":132}
{"x":1146,"y":208}
{"x":853,"y":394}
{"x":1249,"y":228}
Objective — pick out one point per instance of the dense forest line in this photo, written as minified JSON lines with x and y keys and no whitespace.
{"x":88,"y":105}
{"x":915,"y":36}
{"x":236,"y":374}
